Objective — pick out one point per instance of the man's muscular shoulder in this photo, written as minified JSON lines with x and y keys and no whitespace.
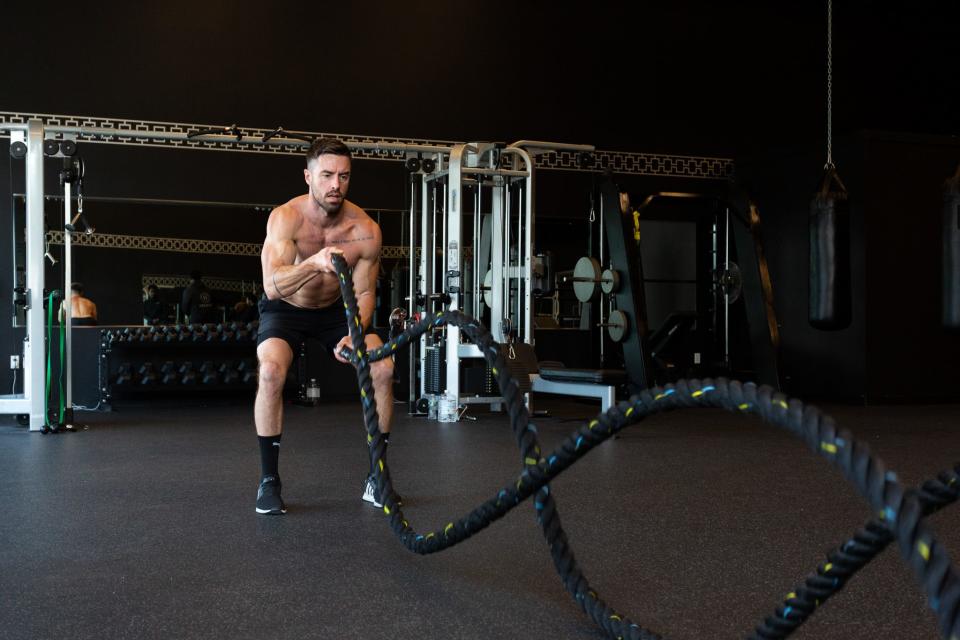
{"x":284,"y":221}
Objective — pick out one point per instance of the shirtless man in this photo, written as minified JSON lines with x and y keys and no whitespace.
{"x":303,"y":299}
{"x":83,"y":312}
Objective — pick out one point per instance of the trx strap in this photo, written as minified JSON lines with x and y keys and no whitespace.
{"x":61,"y":395}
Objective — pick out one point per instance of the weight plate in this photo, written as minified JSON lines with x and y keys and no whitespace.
{"x":586,"y":274}
{"x":731,"y":283}
{"x":488,"y":288}
{"x":619,"y":326}
{"x":610,"y":281}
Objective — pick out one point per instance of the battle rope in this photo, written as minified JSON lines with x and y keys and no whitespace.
{"x":899,"y":512}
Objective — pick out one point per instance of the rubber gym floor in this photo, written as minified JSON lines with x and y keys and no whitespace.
{"x":694,"y":523}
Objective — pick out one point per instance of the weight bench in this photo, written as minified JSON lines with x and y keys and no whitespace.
{"x":587,"y":383}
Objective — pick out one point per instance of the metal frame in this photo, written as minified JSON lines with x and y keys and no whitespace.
{"x":551,"y":156}
{"x":35,"y":127}
{"x":31,"y":401}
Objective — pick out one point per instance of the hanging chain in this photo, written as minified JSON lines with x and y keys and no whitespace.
{"x":829,"y":164}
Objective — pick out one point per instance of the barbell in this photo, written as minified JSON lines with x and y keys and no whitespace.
{"x":586,"y":277}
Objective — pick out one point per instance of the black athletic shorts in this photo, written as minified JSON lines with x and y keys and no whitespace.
{"x":279,"y":319}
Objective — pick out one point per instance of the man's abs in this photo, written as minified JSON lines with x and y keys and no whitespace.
{"x":319,"y":292}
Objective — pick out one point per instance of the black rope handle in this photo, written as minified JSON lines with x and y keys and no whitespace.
{"x":899,"y":512}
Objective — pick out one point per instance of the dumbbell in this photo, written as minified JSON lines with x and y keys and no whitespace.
{"x":124,"y":374}
{"x":187,"y":374}
{"x":147,"y":374}
{"x":229,"y":373}
{"x":168,"y":373}
{"x":209,"y":373}
{"x":247,"y":371}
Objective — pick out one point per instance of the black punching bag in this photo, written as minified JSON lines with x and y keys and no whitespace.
{"x":951,"y":252}
{"x":830,"y":289}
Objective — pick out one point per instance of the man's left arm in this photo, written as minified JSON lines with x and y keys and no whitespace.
{"x":365,"y":281}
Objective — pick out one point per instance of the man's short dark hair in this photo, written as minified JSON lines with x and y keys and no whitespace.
{"x":323,"y":146}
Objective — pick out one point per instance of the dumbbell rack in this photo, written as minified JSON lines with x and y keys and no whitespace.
{"x":177,"y":358}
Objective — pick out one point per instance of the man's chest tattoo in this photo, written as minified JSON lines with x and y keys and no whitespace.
{"x":349,"y":240}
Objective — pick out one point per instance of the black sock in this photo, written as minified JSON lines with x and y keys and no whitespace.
{"x":269,"y":454}
{"x":386,"y":441}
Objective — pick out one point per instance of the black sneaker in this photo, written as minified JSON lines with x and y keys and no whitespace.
{"x":371,"y":495}
{"x":268,"y":497}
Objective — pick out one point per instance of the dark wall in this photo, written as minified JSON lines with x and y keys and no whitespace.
{"x":895,"y":348}
{"x":693,"y":77}
{"x":909,"y":355}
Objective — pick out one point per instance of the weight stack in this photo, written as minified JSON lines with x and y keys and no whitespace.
{"x":435,"y":369}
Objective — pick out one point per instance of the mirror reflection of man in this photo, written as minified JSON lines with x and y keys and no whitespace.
{"x":152,"y":306}
{"x":197,"y":304}
{"x":83,"y":310}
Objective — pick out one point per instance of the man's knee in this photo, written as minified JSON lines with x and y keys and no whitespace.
{"x":382,"y":372}
{"x":271,"y":375}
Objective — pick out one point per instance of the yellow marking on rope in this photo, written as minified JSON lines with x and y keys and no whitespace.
{"x":615,"y":617}
{"x":363,"y":394}
{"x":406,"y":524}
{"x":827,"y":567}
{"x":829,"y":447}
{"x":660,"y":395}
{"x":783,"y":404}
{"x":791,"y":595}
{"x":429,"y":535}
{"x":530,"y":461}
{"x":381,"y":464}
{"x":341,"y":277}
{"x":393,"y":345}
{"x":447,"y":528}
{"x":744,"y":406}
{"x":495,"y":372}
{"x":519,"y":483}
{"x":357,"y":320}
{"x":924,"y":550}
{"x":594,"y":423}
{"x":629,"y":411}
{"x":386,"y":509}
{"x":369,"y":438}
{"x":697,"y":394}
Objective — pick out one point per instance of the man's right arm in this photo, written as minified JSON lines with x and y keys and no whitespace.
{"x":281,"y":277}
